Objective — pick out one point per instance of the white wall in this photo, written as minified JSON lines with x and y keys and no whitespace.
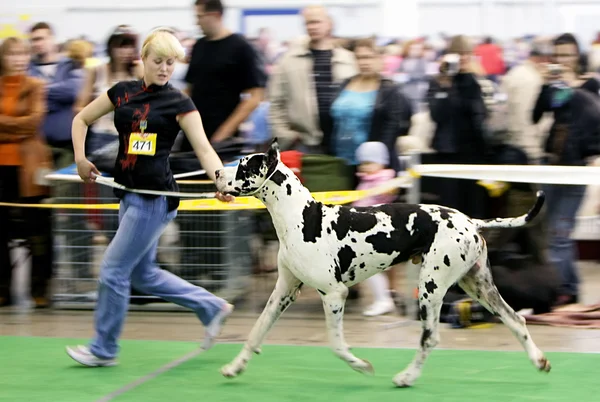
{"x":509,"y":18}
{"x":499,"y":18}
{"x":73,"y":17}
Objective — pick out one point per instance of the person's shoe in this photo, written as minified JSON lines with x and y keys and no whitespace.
{"x":41,"y":302}
{"x":380,"y":308}
{"x":214,"y":328}
{"x":82,"y":355}
{"x":5,"y":301}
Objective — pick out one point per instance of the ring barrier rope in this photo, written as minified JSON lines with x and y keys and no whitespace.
{"x":111,"y":183}
{"x":206,"y":202}
{"x":573,"y":175}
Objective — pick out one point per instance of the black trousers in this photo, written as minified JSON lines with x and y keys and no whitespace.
{"x":34,"y":225}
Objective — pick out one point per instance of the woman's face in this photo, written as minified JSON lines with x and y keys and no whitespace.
{"x":415,"y":50}
{"x":465,"y":61}
{"x":157,"y":69}
{"x":567,"y":55}
{"x":429,"y":54}
{"x":369,"y":61}
{"x":124,"y":54}
{"x":16,"y":60}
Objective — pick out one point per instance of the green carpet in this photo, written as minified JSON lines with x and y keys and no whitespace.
{"x":39,"y":369}
{"x":289,"y":373}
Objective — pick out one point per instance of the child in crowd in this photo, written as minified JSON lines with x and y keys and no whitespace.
{"x":373,"y":159}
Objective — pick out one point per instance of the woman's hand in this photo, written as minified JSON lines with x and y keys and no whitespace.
{"x":224,"y":197}
{"x":564,"y":74}
{"x":87,"y":171}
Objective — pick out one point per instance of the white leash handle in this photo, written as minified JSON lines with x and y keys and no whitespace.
{"x":111,"y":183}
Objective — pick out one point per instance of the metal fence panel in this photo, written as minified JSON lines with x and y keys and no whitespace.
{"x":207,"y":248}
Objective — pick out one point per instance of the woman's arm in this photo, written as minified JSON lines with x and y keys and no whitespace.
{"x":85,"y":94}
{"x":92,"y":112}
{"x":542,"y":105}
{"x":191,"y":124}
{"x":396,"y":123}
{"x":29,"y":124}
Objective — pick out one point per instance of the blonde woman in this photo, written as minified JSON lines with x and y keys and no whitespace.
{"x":148,"y":115}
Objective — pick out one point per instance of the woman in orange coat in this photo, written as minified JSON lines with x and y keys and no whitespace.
{"x":24,"y":158}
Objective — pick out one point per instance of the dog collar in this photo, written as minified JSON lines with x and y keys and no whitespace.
{"x":266,"y":180}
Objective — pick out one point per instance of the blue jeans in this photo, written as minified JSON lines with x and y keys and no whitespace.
{"x":130,"y":260}
{"x":562,"y":203}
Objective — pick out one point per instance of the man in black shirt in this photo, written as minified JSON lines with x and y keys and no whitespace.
{"x":226,"y":75}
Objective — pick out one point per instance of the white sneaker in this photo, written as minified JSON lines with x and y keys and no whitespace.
{"x":214,"y":328}
{"x":380,"y":308}
{"x":82,"y":355}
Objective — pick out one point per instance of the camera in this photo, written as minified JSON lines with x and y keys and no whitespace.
{"x":555,"y":70}
{"x":450,"y":64}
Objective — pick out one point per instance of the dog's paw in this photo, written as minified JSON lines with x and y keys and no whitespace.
{"x":543,"y":364}
{"x":231,"y":370}
{"x":405,"y":379}
{"x":364,"y":367}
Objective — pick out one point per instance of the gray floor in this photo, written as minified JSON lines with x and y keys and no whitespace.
{"x":303,"y":323}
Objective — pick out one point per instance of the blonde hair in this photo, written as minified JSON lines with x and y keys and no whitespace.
{"x":79,"y":51}
{"x":164,"y":43}
{"x":6,"y":46}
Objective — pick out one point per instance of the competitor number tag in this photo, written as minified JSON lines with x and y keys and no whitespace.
{"x":142,"y":144}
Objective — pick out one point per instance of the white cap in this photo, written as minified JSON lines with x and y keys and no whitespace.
{"x":373,"y":151}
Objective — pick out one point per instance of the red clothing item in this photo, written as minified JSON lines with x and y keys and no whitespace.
{"x":491,"y":59}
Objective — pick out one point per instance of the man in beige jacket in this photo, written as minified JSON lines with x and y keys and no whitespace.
{"x":522,"y":85}
{"x":304,"y":83}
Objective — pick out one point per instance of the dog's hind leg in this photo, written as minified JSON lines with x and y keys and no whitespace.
{"x":333,"y":304}
{"x":286,"y":290}
{"x":478,"y":283}
{"x":434,"y":282}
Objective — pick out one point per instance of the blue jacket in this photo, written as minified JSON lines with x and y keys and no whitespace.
{"x":61,"y":94}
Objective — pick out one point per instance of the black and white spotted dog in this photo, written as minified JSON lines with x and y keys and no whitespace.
{"x":331,"y":248}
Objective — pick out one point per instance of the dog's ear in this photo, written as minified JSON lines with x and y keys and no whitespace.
{"x":273,"y":153}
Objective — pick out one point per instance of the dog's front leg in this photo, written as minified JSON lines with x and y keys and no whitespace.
{"x":285,"y":293}
{"x":333,"y":304}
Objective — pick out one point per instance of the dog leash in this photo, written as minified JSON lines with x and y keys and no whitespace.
{"x":111,"y":183}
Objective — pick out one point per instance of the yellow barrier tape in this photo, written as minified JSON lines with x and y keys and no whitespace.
{"x":495,"y":188}
{"x":240,"y":203}
{"x":413,"y":173}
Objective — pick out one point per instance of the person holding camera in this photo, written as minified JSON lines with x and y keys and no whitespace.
{"x":457,"y":107}
{"x":574,"y":137}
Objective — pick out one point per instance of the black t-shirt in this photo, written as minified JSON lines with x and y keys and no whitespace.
{"x":219,"y":71}
{"x":153,"y":111}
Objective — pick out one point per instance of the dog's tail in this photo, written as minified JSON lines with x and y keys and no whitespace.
{"x":514,"y":222}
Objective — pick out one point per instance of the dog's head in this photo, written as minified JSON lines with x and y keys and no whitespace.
{"x":250,"y":174}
